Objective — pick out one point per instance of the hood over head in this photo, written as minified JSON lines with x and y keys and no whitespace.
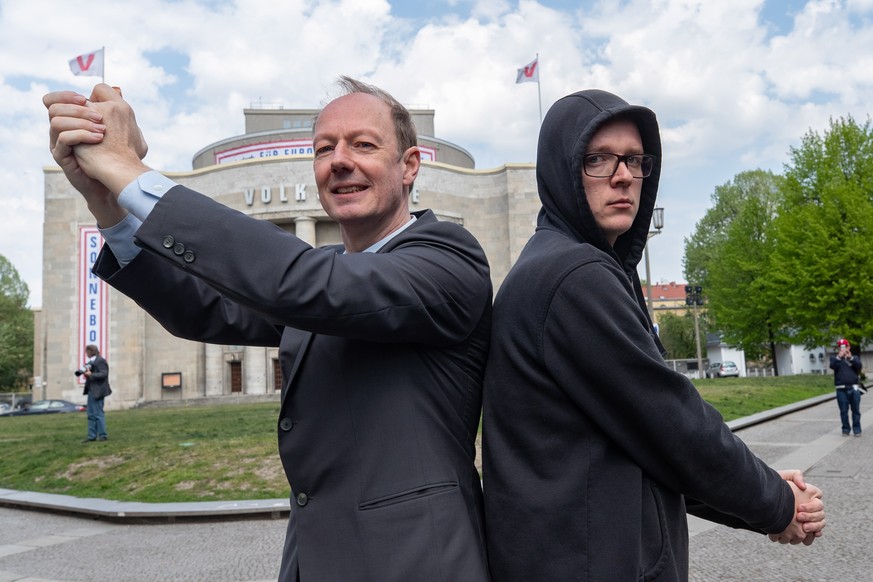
{"x":566,"y":131}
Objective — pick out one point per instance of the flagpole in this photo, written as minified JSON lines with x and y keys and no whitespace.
{"x":539,"y":93}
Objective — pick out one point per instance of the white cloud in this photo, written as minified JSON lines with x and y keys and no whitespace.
{"x":730,"y":91}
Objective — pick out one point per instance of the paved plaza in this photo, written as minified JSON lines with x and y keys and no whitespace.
{"x":843,"y":467}
{"x":47,"y":546}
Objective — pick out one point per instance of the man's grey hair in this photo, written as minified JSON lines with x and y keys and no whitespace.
{"x":404,"y":127}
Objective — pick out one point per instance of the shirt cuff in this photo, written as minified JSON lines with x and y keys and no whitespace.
{"x":120,"y":239}
{"x":141,"y":195}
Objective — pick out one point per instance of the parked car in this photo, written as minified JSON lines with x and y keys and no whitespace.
{"x":5,"y":408}
{"x":48,"y":407}
{"x":722,"y":370}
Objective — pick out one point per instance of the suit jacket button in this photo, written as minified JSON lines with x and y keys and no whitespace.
{"x":168,"y":242}
{"x":188,"y":257}
{"x":178,"y":248}
{"x":302,"y":499}
{"x":286,"y":424}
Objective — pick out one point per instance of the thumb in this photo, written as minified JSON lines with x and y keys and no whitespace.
{"x":794,"y":476}
{"x":103,"y":92}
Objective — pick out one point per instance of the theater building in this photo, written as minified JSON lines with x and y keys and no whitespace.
{"x":265,"y":173}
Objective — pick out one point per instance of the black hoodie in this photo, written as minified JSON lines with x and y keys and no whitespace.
{"x":591,"y":443}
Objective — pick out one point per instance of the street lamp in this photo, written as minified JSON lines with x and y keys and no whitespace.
{"x":658,"y":223}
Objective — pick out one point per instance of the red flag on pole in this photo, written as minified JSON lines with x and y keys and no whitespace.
{"x":530,"y":73}
{"x":89,"y":64}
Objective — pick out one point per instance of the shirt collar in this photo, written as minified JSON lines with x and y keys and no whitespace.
{"x":375,"y":247}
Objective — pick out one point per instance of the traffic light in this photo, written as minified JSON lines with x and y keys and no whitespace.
{"x":693,"y":295}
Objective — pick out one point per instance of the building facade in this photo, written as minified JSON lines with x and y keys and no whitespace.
{"x":265,"y":173}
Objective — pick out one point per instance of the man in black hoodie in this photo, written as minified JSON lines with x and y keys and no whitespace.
{"x":593,"y":448}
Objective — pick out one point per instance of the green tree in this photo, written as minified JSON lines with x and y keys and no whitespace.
{"x":711,"y":231}
{"x":739,"y":276}
{"x":729,"y":254}
{"x":16,"y":330}
{"x":677,"y":334}
{"x":823,"y":246}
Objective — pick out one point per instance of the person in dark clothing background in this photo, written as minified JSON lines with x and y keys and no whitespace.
{"x":593,"y":448}
{"x":846,"y":368}
{"x":96,"y":372}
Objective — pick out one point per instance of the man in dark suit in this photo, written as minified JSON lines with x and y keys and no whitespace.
{"x":382,"y":341}
{"x":96,"y":372}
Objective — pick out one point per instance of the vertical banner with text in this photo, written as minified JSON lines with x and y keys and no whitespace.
{"x":93,"y":295}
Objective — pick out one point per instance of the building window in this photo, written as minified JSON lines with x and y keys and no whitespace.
{"x":277,"y":375}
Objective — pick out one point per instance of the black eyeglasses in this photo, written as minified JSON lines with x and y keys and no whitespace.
{"x":604,"y":165}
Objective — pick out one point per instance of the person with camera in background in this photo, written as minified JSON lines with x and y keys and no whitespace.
{"x":96,"y":372}
{"x":846,"y":368}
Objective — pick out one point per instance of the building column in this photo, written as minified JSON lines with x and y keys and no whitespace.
{"x":254,"y":370}
{"x":214,"y":370}
{"x":304,"y":228}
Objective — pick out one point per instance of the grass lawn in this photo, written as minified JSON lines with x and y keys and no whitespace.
{"x":229,"y":452}
{"x":210,"y":453}
{"x":739,"y":397}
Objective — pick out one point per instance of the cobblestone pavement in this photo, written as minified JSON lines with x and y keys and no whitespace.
{"x":842,"y":467}
{"x":46,"y":547}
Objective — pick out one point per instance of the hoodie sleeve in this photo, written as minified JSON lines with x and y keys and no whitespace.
{"x":595,"y":342}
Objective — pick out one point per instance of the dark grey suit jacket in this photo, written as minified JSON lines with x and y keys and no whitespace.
{"x":383,"y":357}
{"x":97,"y":384}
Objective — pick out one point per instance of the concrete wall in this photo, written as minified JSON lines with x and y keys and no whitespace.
{"x":796,"y":360}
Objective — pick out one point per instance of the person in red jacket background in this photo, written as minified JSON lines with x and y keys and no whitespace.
{"x":847,"y":368}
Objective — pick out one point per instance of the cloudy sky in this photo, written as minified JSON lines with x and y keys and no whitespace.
{"x":735,"y":84}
